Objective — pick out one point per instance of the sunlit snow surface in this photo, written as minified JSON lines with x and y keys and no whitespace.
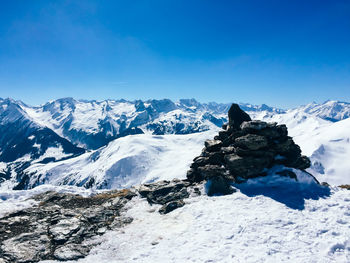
{"x":126,"y":161}
{"x":248,"y":226}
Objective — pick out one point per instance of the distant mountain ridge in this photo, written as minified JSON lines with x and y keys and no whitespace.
{"x":33,"y":136}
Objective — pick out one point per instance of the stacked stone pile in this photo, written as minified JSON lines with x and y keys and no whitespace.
{"x":246,"y":149}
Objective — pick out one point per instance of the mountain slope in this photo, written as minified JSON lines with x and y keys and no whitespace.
{"x":124,"y":162}
{"x":92,"y":124}
{"x":329,"y":110}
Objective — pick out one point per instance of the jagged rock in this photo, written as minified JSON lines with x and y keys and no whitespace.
{"x":171,"y":206}
{"x":164,"y":192}
{"x":212,"y":145}
{"x":236,"y":116}
{"x":251,"y":142}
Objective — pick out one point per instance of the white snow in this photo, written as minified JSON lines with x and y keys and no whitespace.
{"x":52,"y":152}
{"x":127,"y":161}
{"x":255,"y":224}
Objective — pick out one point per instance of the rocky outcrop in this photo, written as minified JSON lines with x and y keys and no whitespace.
{"x":244,"y":149}
{"x":169,"y":194}
{"x":62,"y":226}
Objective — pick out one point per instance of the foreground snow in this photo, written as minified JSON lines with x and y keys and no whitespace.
{"x":282,"y":221}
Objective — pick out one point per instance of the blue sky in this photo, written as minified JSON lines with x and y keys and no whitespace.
{"x":282,"y":53}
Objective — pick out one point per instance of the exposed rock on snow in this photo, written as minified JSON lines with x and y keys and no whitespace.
{"x":246,"y":151}
{"x":60,"y":226}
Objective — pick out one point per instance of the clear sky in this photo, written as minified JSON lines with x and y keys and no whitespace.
{"x":282,"y":53}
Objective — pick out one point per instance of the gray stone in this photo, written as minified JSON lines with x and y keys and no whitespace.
{"x":219,"y":186}
{"x":212,"y":145}
{"x":250,"y":126}
{"x":171,"y":206}
{"x":251,"y":142}
{"x":246,"y":167}
{"x":210,"y":171}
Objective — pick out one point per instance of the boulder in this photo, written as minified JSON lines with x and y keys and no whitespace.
{"x":236,"y":116}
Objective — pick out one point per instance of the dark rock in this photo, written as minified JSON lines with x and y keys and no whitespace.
{"x":258,"y":153}
{"x":246,"y":167}
{"x":302,"y":163}
{"x":236,"y":116}
{"x":200,"y":161}
{"x":165,"y":192}
{"x":193,"y":175}
{"x":219,"y":186}
{"x":210,"y":171}
{"x":253,"y":126}
{"x":271,"y":133}
{"x":251,"y":142}
{"x":213,"y":145}
{"x":171,"y":206}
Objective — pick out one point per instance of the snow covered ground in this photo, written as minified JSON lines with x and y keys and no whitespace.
{"x":266,"y":220}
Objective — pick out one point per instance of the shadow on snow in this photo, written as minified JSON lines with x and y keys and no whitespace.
{"x":284,"y":190}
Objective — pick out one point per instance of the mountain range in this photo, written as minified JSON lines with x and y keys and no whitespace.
{"x":86,"y":143}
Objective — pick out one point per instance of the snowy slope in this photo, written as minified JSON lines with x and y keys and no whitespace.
{"x":24,"y":140}
{"x":142,"y":158}
{"x":255,"y":224}
{"x":124,"y":162}
{"x":329,"y":110}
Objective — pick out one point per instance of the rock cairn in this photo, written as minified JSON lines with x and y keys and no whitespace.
{"x":245,"y":149}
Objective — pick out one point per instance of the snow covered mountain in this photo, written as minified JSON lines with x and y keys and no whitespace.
{"x":35,"y":139}
{"x":92,"y":124}
{"x":329,"y":110}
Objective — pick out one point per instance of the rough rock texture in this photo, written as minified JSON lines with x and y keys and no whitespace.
{"x":62,"y":226}
{"x":246,"y":151}
{"x":169,"y":194}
